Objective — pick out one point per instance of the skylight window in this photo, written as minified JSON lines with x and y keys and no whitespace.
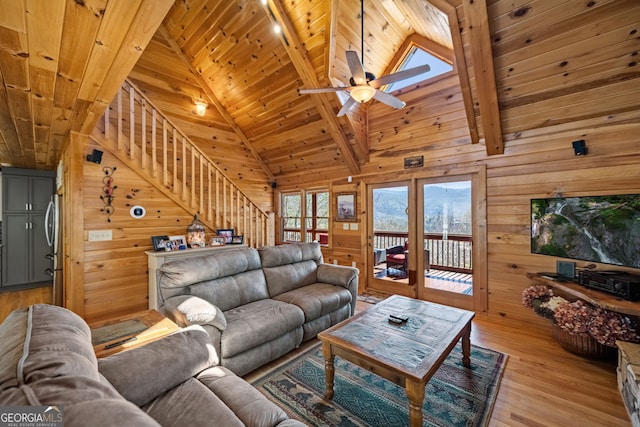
{"x":415,"y":58}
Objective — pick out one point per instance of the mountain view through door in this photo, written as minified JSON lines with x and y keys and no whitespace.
{"x":445,"y":234}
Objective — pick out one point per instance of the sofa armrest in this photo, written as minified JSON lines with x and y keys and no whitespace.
{"x":340,"y":275}
{"x":143,"y":373}
{"x":188,"y":310}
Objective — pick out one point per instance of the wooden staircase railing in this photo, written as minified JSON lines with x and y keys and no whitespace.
{"x":139,"y":135}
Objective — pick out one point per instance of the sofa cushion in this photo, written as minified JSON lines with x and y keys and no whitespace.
{"x":56,"y":343}
{"x":177,"y":277}
{"x":191,"y":404}
{"x":317,"y":299}
{"x":12,"y":336}
{"x":253,"y":324}
{"x":290,"y":266}
{"x":247,"y":403}
{"x":232,"y":291}
{"x":273,"y":256}
{"x":134,"y":373}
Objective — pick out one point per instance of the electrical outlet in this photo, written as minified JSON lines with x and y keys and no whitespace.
{"x":100,"y":235}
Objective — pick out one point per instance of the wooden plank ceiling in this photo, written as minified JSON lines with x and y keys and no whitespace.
{"x":225,"y":52}
{"x":61,"y":62}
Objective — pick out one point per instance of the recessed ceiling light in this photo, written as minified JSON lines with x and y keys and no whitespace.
{"x":276,"y":28}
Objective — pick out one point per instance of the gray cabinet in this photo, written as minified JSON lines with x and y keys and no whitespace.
{"x":26,"y":255}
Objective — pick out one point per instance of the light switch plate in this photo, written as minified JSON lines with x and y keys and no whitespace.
{"x":353,"y":226}
{"x":100,"y":235}
{"x":345,"y":226}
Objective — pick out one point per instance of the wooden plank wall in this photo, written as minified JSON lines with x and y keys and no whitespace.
{"x":115,"y":272}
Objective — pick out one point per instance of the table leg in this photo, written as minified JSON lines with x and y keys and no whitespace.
{"x":466,"y":346}
{"x":329,"y":370}
{"x":415,"y":394}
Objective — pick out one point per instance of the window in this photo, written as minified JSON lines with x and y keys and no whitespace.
{"x":416,"y":57}
{"x":291,"y":217}
{"x":415,"y":51}
{"x":317,"y":220}
{"x":313,"y":215}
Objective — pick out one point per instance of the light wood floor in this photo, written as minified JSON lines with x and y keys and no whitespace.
{"x":543,"y":385}
{"x":9,"y":301}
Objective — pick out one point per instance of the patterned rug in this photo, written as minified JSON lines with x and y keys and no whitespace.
{"x":455,"y":396}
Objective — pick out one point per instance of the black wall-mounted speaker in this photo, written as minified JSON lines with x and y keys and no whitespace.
{"x":580,"y":148}
{"x":95,"y":156}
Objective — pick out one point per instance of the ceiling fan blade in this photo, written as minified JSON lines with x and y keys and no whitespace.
{"x":390,"y":100}
{"x":400,"y":75}
{"x":355,"y":66}
{"x":322,"y":90}
{"x":346,"y":107}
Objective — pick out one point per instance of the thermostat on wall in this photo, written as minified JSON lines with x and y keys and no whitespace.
{"x":137,"y":212}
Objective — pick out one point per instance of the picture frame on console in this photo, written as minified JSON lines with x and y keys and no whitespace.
{"x":217,"y":241}
{"x":237,"y":240}
{"x":346,"y":207}
{"x":176,"y":243}
{"x":159,"y":242}
{"x":227,"y":233}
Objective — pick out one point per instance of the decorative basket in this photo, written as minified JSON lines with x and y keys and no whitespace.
{"x":581,"y":344}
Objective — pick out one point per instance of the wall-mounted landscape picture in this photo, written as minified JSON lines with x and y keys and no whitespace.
{"x":602,"y":229}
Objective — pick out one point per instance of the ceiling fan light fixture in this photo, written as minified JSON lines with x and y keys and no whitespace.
{"x":363,"y":93}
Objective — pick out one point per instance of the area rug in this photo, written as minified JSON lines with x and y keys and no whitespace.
{"x":455,"y":396}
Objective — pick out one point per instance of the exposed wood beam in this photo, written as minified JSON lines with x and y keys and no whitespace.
{"x":214,"y":100}
{"x":91,"y":103}
{"x":302,"y":64}
{"x":475,"y":12}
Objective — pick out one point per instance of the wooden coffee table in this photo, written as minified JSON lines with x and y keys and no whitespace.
{"x":407,"y":354}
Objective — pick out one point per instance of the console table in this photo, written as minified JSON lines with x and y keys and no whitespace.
{"x":592,"y":296}
{"x":156,"y":259}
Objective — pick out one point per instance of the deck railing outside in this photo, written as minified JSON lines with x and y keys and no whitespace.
{"x":158,"y":148}
{"x":452,"y":253}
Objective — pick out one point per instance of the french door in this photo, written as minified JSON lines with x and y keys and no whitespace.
{"x":425,"y":237}
{"x":387,"y":236}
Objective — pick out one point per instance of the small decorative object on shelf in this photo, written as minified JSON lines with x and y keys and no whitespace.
{"x":195,"y":233}
{"x":578,"y":326}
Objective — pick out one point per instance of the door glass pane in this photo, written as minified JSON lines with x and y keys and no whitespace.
{"x":448,"y":236}
{"x":390,"y":233}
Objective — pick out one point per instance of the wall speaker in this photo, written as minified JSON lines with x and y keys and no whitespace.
{"x":566,"y":269}
{"x":274,"y":185}
{"x":95,"y":156}
{"x":580,"y":148}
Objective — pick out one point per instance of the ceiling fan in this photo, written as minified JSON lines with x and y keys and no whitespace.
{"x":364,"y":85}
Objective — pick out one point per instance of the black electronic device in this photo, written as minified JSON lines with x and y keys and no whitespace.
{"x":618,"y":283}
{"x":398,"y":319}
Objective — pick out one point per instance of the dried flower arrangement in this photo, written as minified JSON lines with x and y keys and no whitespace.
{"x":581,"y":318}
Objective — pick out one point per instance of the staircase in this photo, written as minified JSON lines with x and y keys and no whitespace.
{"x":139,"y":135}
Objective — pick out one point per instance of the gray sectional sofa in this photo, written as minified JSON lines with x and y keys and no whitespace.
{"x":47,"y":360}
{"x":258,"y":304}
